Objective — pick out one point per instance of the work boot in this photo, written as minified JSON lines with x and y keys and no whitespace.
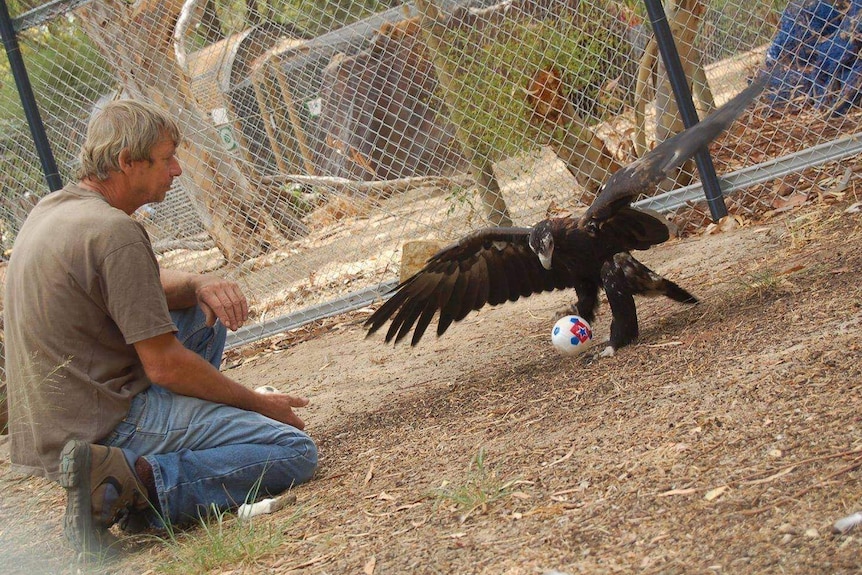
{"x":101,"y":489}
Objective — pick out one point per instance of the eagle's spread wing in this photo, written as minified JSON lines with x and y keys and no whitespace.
{"x":488,"y":267}
{"x":653,"y":167}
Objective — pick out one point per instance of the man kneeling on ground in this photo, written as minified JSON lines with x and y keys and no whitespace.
{"x":113,"y":364}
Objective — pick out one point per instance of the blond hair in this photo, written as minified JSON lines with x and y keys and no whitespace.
{"x":119,"y":125}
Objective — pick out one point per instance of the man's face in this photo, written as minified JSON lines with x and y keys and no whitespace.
{"x":153,"y":178}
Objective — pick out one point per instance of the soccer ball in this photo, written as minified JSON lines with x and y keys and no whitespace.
{"x":571,"y":334}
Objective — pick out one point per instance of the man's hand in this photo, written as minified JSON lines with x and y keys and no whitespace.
{"x":222,"y":299}
{"x":182,"y":371}
{"x":279,"y":406}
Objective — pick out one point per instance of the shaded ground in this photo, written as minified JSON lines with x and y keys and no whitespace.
{"x":727,"y":441}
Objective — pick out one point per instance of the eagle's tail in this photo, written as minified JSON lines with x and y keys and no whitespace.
{"x":676,"y":293}
{"x":625,"y":273}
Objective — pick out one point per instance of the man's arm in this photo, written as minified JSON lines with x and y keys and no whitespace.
{"x":182,"y":371}
{"x":219,"y":298}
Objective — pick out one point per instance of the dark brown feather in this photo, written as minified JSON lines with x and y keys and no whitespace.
{"x":644,"y":174}
{"x":635,"y":230}
{"x":488,"y":267}
{"x":496,"y":265}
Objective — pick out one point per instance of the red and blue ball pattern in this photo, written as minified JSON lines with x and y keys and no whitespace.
{"x":571,"y":334}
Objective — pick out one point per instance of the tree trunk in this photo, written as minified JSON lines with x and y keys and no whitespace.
{"x":685,"y":18}
{"x":488,"y":188}
{"x":136,"y":40}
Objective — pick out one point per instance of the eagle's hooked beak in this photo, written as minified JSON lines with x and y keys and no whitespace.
{"x":541,"y":242}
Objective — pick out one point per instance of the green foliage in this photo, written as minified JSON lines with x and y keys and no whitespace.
{"x":320,"y":17}
{"x":65,"y":70}
{"x":300,"y":200}
{"x":311,"y":16}
{"x":491,"y":74}
{"x":222,"y":541}
{"x":460,"y":197}
{"x":67,"y":74}
{"x":761,"y":282}
{"x":726,"y":33}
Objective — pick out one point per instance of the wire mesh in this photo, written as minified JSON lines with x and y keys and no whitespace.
{"x":319,"y":137}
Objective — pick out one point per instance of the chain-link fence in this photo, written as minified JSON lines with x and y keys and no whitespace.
{"x":321,"y":136}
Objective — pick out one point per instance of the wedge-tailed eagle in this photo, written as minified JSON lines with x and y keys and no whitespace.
{"x":495,"y":265}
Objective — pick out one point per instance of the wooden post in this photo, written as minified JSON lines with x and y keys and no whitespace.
{"x":685,"y":18}
{"x":295,"y":121}
{"x":261,"y":92}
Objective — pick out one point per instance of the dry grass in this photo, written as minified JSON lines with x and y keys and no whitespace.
{"x":728,"y":440}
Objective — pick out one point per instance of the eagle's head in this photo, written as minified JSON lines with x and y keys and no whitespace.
{"x":542,"y":242}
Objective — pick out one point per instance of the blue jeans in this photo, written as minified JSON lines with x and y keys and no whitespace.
{"x":207,"y":455}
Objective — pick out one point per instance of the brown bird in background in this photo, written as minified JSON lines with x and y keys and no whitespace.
{"x":494,"y":265}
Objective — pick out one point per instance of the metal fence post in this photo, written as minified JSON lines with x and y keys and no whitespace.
{"x":28,"y":100}
{"x":682,"y":93}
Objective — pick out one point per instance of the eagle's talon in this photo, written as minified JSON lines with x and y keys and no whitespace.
{"x":561,"y":313}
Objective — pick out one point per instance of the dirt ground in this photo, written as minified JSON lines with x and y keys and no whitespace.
{"x":727,"y":440}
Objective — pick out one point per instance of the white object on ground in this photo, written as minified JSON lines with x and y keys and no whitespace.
{"x":571,"y":334}
{"x":847,"y":524}
{"x":266,"y":389}
{"x":249,"y":510}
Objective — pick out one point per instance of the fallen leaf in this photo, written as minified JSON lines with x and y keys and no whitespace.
{"x":727,"y":223}
{"x":790,"y":202}
{"x":715,"y":493}
{"x":368,"y":568}
{"x":834,"y":186}
{"x":687,"y":491}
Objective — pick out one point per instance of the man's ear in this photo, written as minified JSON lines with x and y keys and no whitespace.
{"x":125,"y":159}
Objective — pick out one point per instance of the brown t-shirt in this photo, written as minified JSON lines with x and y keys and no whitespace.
{"x":82,"y":287}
